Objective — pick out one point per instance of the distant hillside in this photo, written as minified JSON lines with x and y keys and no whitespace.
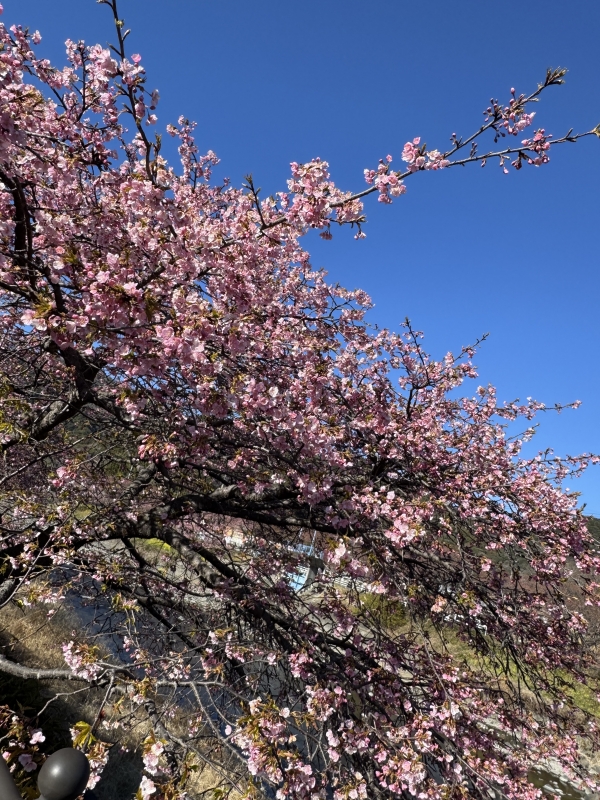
{"x":593,"y":524}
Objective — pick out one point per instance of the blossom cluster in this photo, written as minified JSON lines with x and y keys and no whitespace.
{"x":82,"y":660}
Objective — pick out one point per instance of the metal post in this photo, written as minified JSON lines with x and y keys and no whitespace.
{"x":8,"y":790}
{"x":63,"y":776}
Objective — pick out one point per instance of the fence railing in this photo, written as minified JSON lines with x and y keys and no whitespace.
{"x":63,"y":776}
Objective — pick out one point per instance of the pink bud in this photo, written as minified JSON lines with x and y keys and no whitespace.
{"x":136,"y":58}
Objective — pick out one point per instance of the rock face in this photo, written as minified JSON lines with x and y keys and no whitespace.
{"x":554,"y":783}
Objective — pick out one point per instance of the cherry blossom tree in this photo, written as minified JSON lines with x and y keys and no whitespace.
{"x":191,"y":414}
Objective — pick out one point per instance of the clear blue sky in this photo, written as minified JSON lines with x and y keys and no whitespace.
{"x":463,"y":252}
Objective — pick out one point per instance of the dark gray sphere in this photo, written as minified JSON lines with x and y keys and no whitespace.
{"x":64,"y":775}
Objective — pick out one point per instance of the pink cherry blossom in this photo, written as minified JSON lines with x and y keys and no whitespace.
{"x":27,"y":762}
{"x":194,"y":422}
{"x":147,"y":788}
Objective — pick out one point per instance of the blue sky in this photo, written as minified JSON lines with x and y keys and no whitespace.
{"x":465,"y":251}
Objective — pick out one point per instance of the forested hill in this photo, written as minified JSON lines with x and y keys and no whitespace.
{"x":593,"y":524}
